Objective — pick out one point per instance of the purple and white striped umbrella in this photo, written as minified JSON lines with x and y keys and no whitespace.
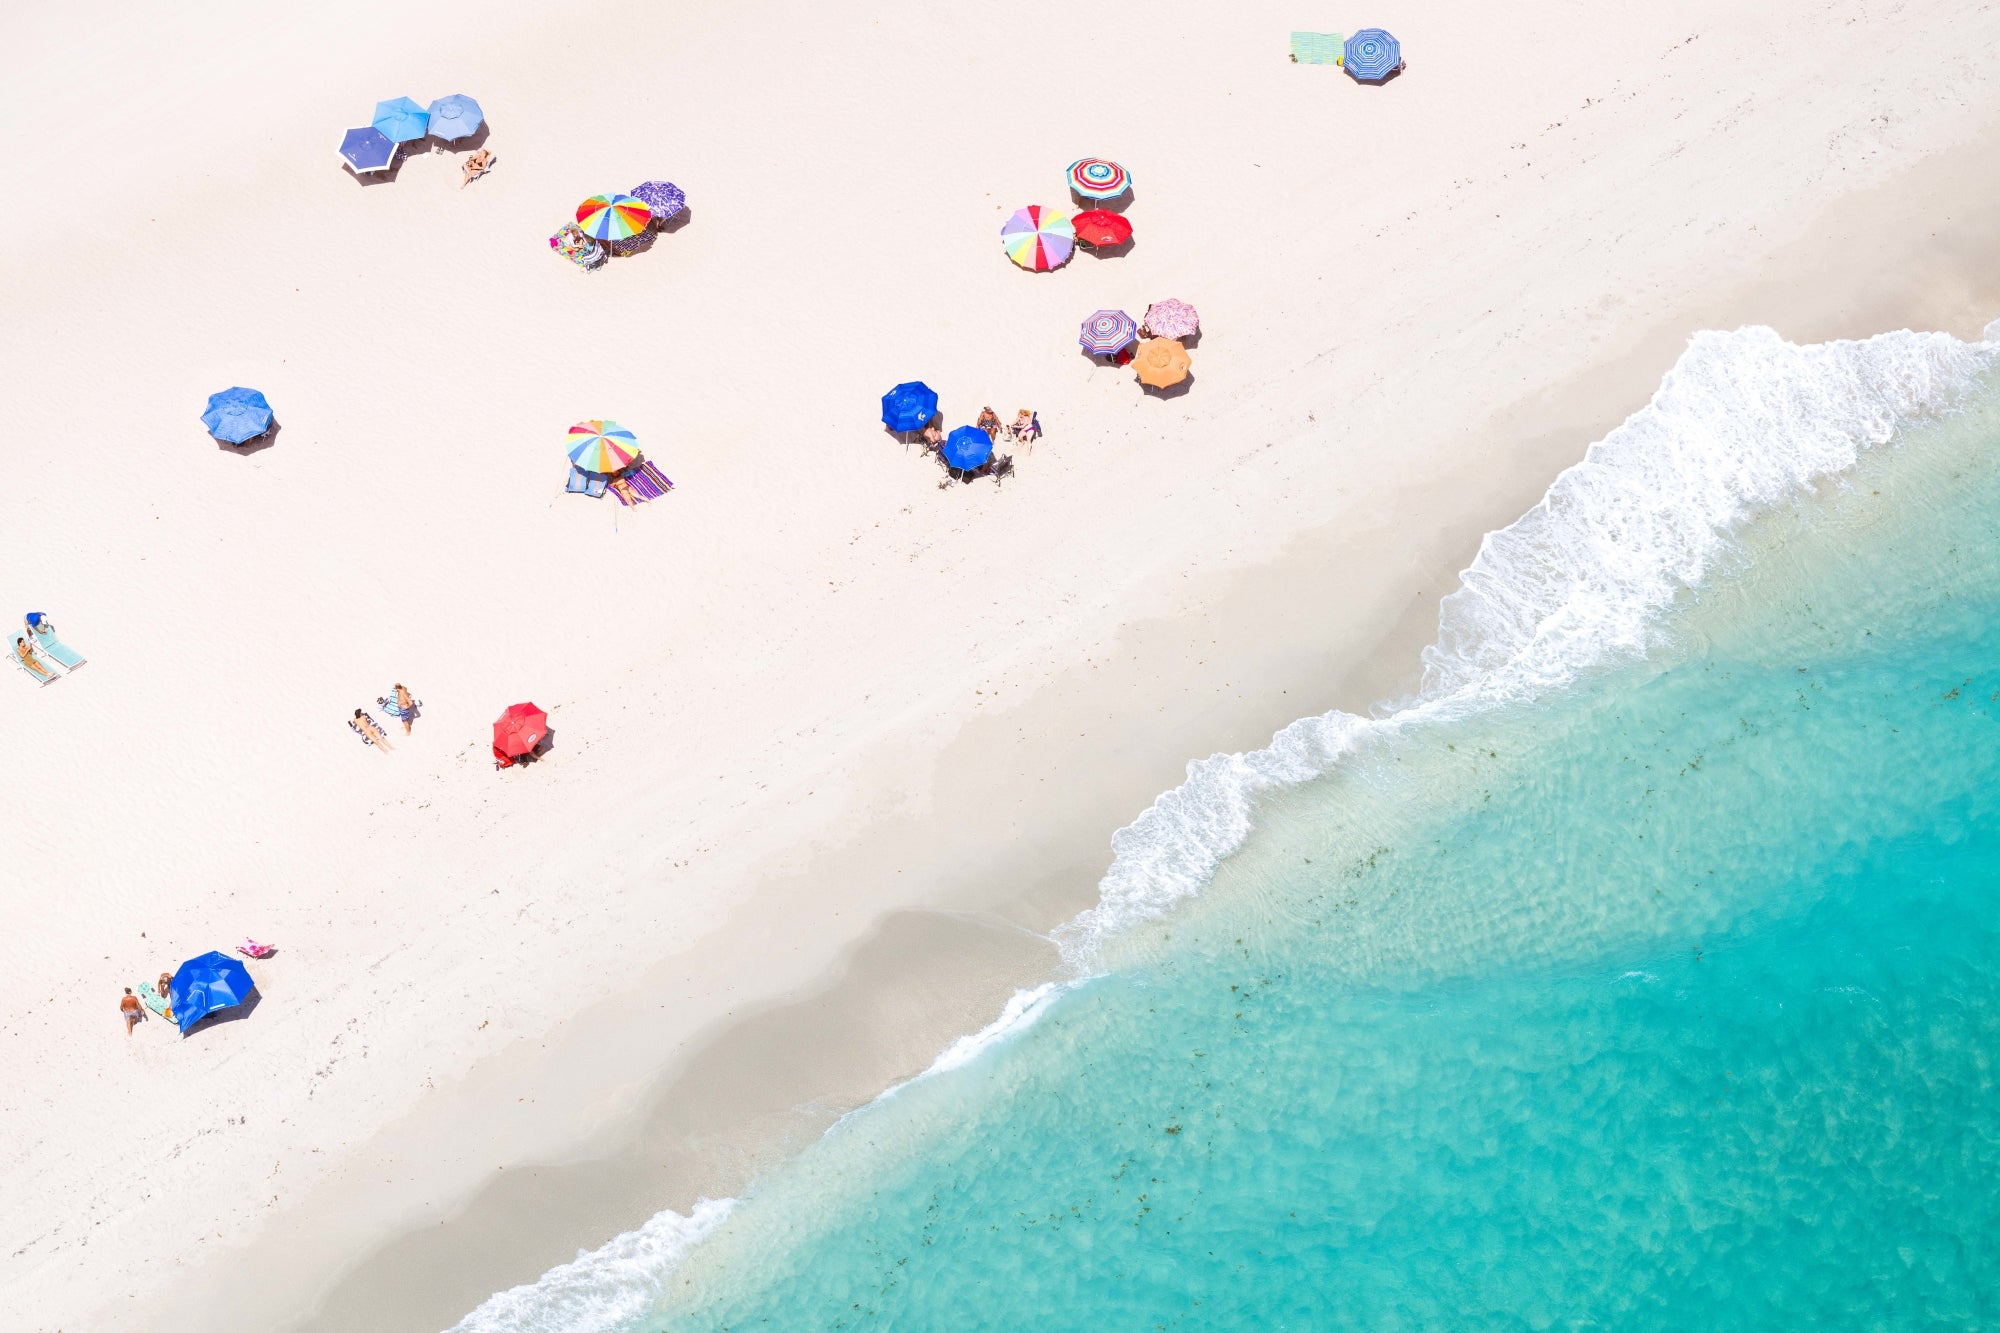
{"x":665,"y":197}
{"x":1107,"y":333}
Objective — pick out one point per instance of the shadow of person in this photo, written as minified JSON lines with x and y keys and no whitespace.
{"x":676,"y":222}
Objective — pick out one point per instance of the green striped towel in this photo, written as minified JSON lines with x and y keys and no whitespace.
{"x":1317,"y":48}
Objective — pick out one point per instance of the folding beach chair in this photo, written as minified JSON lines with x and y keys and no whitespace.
{"x":1317,"y":48}
{"x":42,"y":677}
{"x":579,"y":480}
{"x":595,"y":487}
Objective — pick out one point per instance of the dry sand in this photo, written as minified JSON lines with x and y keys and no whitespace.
{"x":832,"y":747}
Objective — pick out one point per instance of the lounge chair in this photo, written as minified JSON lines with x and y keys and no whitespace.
{"x":37,"y":671}
{"x":579,"y":480}
{"x":1001,"y":468}
{"x":597,"y":485}
{"x":49,"y":646}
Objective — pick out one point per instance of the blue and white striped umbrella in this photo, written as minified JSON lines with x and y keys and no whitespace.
{"x":1372,"y":55}
{"x":367,"y":149}
{"x":455,"y":117}
{"x":402,"y":120}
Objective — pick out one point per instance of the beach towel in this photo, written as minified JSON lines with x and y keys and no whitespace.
{"x":150,"y":996}
{"x":653,"y":479}
{"x":48,"y":645}
{"x":579,"y":249}
{"x":387,"y":703}
{"x":1317,"y":48}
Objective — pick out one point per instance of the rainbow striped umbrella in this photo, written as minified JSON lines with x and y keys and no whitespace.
{"x":1038,"y":238}
{"x":1098,"y":178}
{"x":612,"y":217}
{"x":602,"y":446}
{"x":1107,"y":333}
{"x":1172,"y":319}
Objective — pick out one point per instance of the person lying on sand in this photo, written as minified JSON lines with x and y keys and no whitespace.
{"x":128,"y":1009}
{"x":476,"y":166}
{"x":371,"y":733}
{"x":41,"y":669}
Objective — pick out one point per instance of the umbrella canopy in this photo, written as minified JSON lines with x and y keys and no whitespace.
{"x":602,"y":446}
{"x":612,"y":217}
{"x":402,"y":120}
{"x":664,"y":197}
{"x":1099,"y":226}
{"x":1098,"y":178}
{"x":1372,"y":55}
{"x":1038,"y":238}
{"x":519,"y":730}
{"x":967,"y":447}
{"x":1172,"y":319}
{"x":909,"y":406}
{"x":455,"y":117}
{"x":1161,"y":363}
{"x":367,"y":149}
{"x":237,"y":414}
{"x":205,"y":984}
{"x":1108,"y":332}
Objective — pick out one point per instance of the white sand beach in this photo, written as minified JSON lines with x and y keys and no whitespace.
{"x":833,"y":748}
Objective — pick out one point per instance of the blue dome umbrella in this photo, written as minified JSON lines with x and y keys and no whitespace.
{"x":966,"y":448}
{"x":367,"y":149}
{"x":1372,"y":55}
{"x":402,"y":120}
{"x":205,"y":984}
{"x":237,"y":415}
{"x":909,"y":406}
{"x":454,"y":117}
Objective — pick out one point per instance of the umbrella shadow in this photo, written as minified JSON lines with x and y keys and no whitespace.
{"x":1118,"y":251}
{"x":1385,"y":80}
{"x":1117,"y":203}
{"x":234,"y":1013}
{"x":382,"y":177}
{"x":471,"y":143}
{"x":256,"y":444}
{"x":541,"y":750}
{"x":676,"y":222}
{"x":1172,"y":390}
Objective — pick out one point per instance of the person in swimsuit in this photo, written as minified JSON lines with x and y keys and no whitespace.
{"x":406,"y":707}
{"x":128,"y":1008}
{"x":476,"y":166}
{"x":989,"y":421}
{"x":371,"y":733}
{"x":28,"y":659}
{"x":165,"y":986}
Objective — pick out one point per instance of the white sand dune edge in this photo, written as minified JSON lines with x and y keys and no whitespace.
{"x":730,"y":672}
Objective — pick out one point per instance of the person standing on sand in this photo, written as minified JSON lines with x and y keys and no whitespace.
{"x":406,"y":707}
{"x":129,"y":1009}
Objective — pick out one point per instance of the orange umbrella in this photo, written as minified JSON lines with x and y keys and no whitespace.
{"x":1161,"y":362}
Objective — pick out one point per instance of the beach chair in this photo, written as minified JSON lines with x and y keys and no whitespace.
{"x":1002,"y":467}
{"x":49,"y":646}
{"x":1318,"y":48}
{"x":37,"y":671}
{"x":579,"y":481}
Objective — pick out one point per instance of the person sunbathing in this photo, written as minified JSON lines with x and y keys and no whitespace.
{"x":622,"y":488}
{"x":476,"y":166}
{"x":26,"y":655}
{"x":371,"y":733}
{"x":989,"y":421}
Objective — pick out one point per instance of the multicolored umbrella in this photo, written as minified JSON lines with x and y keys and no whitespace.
{"x":909,"y":406}
{"x":1161,"y":363}
{"x":1172,"y":319}
{"x":664,"y":197}
{"x":1098,"y":178}
{"x":402,"y":120}
{"x":367,"y":149}
{"x":602,"y":446}
{"x":1038,"y":238}
{"x":518,"y":731}
{"x":237,"y":415}
{"x":612,"y":217}
{"x":455,"y":117}
{"x":1100,"y":226}
{"x":1372,"y":55}
{"x":1108,"y":332}
{"x":967,"y":447}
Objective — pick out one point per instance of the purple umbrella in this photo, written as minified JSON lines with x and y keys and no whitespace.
{"x":664,"y":197}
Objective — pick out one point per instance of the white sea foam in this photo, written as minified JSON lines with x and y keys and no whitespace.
{"x":1743,"y":422}
{"x":1023,"y":1007}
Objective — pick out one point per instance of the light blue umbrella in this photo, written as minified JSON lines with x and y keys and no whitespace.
{"x":236,"y":415}
{"x":402,"y":120}
{"x":367,"y":149}
{"x":1372,"y":55}
{"x":455,"y":117}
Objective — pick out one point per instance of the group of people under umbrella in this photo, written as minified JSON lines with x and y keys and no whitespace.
{"x":1155,"y":348}
{"x":1039,"y":238}
{"x":604,"y":457}
{"x":194,"y":990}
{"x":911,"y":409}
{"x":374,"y":147}
{"x":618,"y":224}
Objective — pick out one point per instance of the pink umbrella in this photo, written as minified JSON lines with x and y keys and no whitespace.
{"x":1172,"y":319}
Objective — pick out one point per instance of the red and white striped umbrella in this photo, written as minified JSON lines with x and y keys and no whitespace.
{"x":1098,"y":178}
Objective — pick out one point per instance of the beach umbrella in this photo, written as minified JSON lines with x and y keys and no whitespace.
{"x":236,"y":415}
{"x":455,"y":117}
{"x":967,"y":447}
{"x":909,"y":406}
{"x":612,"y":217}
{"x":1372,"y":55}
{"x":602,"y":446}
{"x":1038,"y":238}
{"x":402,"y":120}
{"x":1100,"y":226}
{"x":205,"y":984}
{"x":1098,"y":178}
{"x":664,"y":197}
{"x":367,"y":149}
{"x":518,"y":731}
{"x":1161,"y":363}
{"x":1172,"y":319}
{"x":1108,"y":332}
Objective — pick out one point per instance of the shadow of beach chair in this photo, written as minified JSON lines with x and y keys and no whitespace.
{"x":49,"y":646}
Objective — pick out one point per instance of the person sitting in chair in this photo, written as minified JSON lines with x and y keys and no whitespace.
{"x":476,"y":166}
{"x":989,"y":421}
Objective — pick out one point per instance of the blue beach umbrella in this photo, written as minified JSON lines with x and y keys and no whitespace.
{"x":909,"y":406}
{"x":1372,"y":55}
{"x":205,"y":984}
{"x":402,"y":120}
{"x":237,"y":414}
{"x":367,"y":149}
{"x":454,"y":117}
{"x":967,"y":447}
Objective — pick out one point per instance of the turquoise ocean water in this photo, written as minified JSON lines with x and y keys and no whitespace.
{"x":1643,"y":971}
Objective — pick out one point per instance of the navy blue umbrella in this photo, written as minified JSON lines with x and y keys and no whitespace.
{"x":1372,"y":55}
{"x":205,"y":984}
{"x":909,"y":406}
{"x":967,"y":448}
{"x":237,"y":414}
{"x":367,"y":149}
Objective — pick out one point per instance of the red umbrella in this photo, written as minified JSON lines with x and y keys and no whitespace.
{"x":1100,"y":226}
{"x":520,"y":729}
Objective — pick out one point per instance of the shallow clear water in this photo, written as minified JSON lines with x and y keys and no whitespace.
{"x":1667,"y":994}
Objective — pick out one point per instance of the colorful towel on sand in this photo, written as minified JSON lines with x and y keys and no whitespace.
{"x":150,"y":996}
{"x":573,"y":245}
{"x":1317,"y":48}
